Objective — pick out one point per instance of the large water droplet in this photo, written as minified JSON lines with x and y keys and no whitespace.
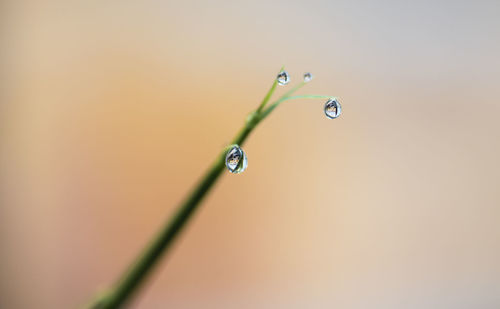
{"x":236,"y":160}
{"x":283,"y":78}
{"x":307,"y":77}
{"x":332,"y":108}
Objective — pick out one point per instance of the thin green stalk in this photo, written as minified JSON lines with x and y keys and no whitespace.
{"x":269,"y":94}
{"x":295,"y":88}
{"x":275,"y":104}
{"x":130,"y":282}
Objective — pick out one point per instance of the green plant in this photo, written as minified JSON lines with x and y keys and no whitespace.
{"x":129,"y":283}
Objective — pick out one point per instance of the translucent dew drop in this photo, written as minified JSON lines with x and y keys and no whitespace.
{"x":283,"y":78}
{"x":307,"y":77}
{"x":332,"y":108}
{"x":236,"y":160}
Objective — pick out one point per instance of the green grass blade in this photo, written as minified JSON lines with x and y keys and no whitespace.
{"x":271,"y":107}
{"x":269,"y":93}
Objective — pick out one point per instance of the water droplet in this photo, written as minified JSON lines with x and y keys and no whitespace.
{"x":307,"y":77}
{"x":332,"y":108}
{"x":283,"y":78}
{"x":236,"y":160}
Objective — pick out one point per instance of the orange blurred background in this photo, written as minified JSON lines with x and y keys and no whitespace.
{"x":111,"y":110}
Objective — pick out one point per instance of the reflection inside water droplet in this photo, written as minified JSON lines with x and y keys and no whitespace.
{"x":283,"y":78}
{"x":308,"y":77}
{"x":236,"y":160}
{"x":332,"y":108}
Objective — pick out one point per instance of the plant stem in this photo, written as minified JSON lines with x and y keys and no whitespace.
{"x":130,"y":282}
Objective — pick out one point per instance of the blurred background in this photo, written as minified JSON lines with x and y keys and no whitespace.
{"x":111,"y":110}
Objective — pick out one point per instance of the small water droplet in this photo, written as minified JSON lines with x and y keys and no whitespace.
{"x":307,"y":77}
{"x":236,"y":160}
{"x":283,"y":78}
{"x":332,"y":108}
